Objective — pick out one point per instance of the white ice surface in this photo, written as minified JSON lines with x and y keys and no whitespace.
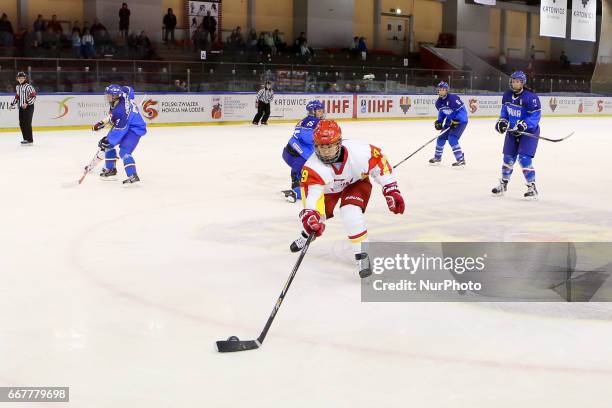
{"x":120,"y":293}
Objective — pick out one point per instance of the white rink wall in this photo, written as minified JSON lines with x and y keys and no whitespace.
{"x":75,"y":109}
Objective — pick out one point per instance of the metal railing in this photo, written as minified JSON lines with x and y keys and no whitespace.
{"x":78,"y":75}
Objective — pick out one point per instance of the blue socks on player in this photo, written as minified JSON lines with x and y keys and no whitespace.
{"x":129,"y":163}
{"x":453,"y":141}
{"x":111,"y":158}
{"x":526,"y":163}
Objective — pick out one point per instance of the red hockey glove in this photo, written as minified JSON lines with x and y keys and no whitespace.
{"x":394,"y":198}
{"x":311,"y":221}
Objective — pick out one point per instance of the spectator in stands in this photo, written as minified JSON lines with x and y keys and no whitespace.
{"x":363,"y":49}
{"x":76,"y":28}
{"x":104,"y":42}
{"x":55,"y":25}
{"x":169,"y":25}
{"x":299,"y":42}
{"x":532,"y":53}
{"x":87,"y":45}
{"x":354,"y":48}
{"x":565,"y":62}
{"x":145,"y":48}
{"x":86,"y":27}
{"x":76,"y":43}
{"x":39,"y":27}
{"x":96,"y":28}
{"x":6,"y":32}
{"x":180,"y":86}
{"x":252,"y":39}
{"x":530,"y":71}
{"x":268,"y":44}
{"x":279,"y":41}
{"x":305,"y":52}
{"x":200,"y":38}
{"x":124,"y":20}
{"x":503,"y":62}
{"x":210,"y":26}
{"x":51,"y":38}
{"x":236,"y":41}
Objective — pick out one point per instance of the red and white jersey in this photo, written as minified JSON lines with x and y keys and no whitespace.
{"x":360,"y":161}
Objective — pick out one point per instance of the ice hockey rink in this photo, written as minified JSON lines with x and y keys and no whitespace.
{"x":120,"y":293}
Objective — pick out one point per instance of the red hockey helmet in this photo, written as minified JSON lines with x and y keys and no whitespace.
{"x":327,"y":140}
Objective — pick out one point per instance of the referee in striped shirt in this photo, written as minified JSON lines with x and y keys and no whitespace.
{"x":264,"y":97}
{"x":25,"y":96}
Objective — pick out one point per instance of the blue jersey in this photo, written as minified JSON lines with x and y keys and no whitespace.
{"x":125,"y":117}
{"x":525,"y":106}
{"x":302,"y":139}
{"x":450,"y":108}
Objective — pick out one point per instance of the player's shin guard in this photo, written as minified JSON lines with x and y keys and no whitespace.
{"x":129,"y":163}
{"x":354,"y":224}
{"x":528,"y":170}
{"x":111,"y":158}
{"x":508,"y":166}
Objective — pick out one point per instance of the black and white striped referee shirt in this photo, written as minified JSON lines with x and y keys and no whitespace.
{"x":265,"y":95}
{"x":24,"y":93}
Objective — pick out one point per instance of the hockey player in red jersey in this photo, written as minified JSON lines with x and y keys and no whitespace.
{"x":340,"y":171}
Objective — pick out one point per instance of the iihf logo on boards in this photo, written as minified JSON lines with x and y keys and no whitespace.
{"x":552,"y":103}
{"x":405,"y":104}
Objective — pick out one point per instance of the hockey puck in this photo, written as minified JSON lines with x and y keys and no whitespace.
{"x":233,"y":338}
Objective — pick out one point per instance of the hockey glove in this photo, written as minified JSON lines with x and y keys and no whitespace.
{"x":98,"y":126}
{"x":454,"y":123}
{"x":519,"y":128}
{"x":502,"y":125}
{"x":438,"y":125}
{"x":394,"y":198}
{"x":311,"y":221}
{"x":104,"y":144}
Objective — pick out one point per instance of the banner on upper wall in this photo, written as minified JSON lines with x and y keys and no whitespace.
{"x":584,"y":18}
{"x":79,"y":110}
{"x":553,"y":18}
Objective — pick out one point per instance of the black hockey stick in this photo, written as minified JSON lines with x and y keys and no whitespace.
{"x":546,"y":138}
{"x":422,"y":147}
{"x":233,"y":343}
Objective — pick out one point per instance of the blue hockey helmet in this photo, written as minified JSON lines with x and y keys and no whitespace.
{"x":520,"y":75}
{"x":314,"y":105}
{"x":443,"y":85}
{"x":113,"y":90}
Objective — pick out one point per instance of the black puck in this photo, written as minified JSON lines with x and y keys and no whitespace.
{"x":233,"y":338}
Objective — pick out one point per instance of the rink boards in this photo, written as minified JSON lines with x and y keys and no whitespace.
{"x":84,"y":109}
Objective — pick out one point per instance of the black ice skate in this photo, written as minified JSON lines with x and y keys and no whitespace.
{"x":434,"y":161}
{"x":501,"y":188}
{"x":132,"y":179}
{"x":264,"y":123}
{"x":26,"y":143}
{"x":532,"y":192}
{"x":363,"y":265}
{"x":105,"y":173}
{"x":459,"y":163}
{"x":290,"y":195}
{"x":298,"y":244}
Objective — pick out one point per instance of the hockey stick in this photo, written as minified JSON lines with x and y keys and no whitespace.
{"x":422,"y":147}
{"x":233,"y":343}
{"x":92,"y":165}
{"x":546,"y":138}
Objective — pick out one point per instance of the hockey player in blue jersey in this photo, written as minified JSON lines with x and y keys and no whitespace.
{"x":520,"y":113}
{"x":300,"y":146}
{"x":127,"y":128}
{"x":452,"y":116}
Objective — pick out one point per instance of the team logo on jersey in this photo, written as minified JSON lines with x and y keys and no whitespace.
{"x":405,"y":104}
{"x":552,"y":103}
{"x":62,"y":108}
{"x":147,"y":110}
{"x":473,"y":104}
